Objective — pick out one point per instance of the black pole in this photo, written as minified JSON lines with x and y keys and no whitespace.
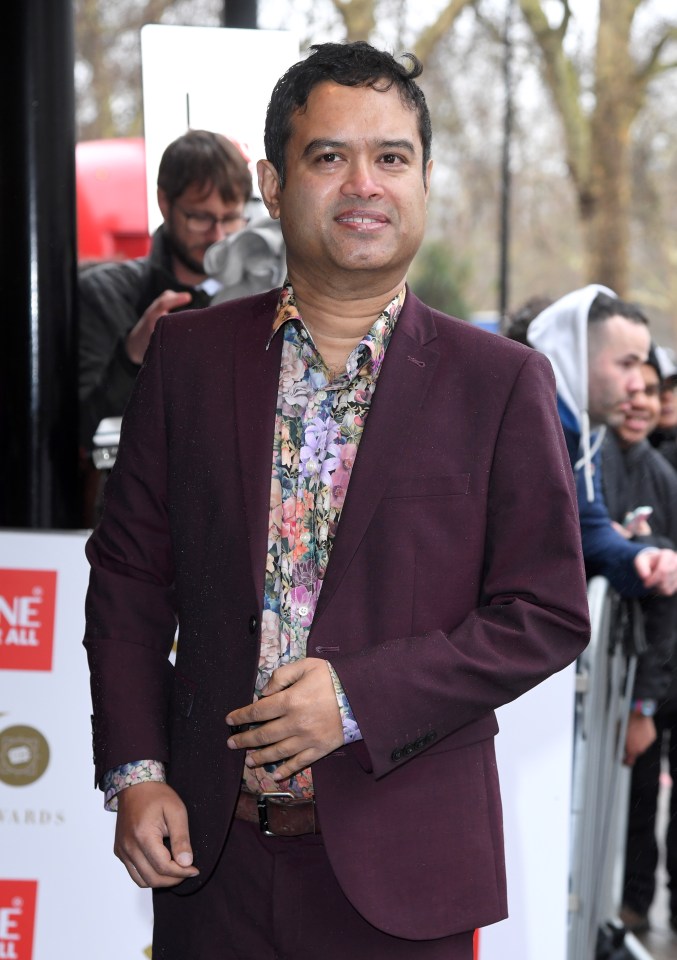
{"x":506,"y":181}
{"x":240,"y":13}
{"x":38,"y":358}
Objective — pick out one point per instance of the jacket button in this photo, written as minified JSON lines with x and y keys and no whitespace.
{"x":429,"y":737}
{"x":253,"y":624}
{"x":396,"y":755}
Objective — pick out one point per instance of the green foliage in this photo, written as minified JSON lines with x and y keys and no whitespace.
{"x":438,"y":277}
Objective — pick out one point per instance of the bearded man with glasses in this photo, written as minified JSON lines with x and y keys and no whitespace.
{"x":204,"y":184}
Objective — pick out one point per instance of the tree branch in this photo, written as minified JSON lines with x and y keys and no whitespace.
{"x":652,"y":65}
{"x":359,"y":17}
{"x":431,"y":36}
{"x":563,"y":82}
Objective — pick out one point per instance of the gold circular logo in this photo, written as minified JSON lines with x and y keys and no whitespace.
{"x":24,"y":755}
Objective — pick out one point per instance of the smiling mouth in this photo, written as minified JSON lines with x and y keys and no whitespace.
{"x":365,"y":220}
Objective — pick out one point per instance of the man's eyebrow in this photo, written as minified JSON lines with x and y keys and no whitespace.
{"x":321,"y":143}
{"x":396,"y":145}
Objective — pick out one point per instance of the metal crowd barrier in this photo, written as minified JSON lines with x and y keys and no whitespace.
{"x":604,"y":682}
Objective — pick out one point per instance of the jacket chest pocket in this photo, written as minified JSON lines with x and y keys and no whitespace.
{"x":455,"y":485}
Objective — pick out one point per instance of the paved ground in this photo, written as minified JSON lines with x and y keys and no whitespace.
{"x":660,"y":941}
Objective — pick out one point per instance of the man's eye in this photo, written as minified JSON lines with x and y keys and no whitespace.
{"x":391,"y":158}
{"x":329,"y":158}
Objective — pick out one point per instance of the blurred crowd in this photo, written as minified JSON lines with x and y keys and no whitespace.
{"x":618,"y":393}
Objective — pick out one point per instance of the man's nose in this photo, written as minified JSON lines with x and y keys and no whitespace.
{"x":362,"y":181}
{"x":635,"y":382}
{"x":638,"y":397}
{"x":218,"y":229}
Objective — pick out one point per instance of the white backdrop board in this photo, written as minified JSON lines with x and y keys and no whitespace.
{"x":59,"y":880}
{"x":60,"y":885}
{"x":535,"y":757}
{"x":208,"y":78}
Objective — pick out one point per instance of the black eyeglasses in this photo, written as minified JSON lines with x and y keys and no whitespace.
{"x":203,"y":222}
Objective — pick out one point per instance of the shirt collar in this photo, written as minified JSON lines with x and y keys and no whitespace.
{"x":373,"y":345}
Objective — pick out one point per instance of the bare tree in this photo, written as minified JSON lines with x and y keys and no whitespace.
{"x":361,"y":18}
{"x":598,"y":139}
{"x":108,"y":58}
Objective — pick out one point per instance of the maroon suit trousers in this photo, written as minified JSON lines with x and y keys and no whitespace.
{"x":276,"y":898}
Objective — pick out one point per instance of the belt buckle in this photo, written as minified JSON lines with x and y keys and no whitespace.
{"x":262,"y":808}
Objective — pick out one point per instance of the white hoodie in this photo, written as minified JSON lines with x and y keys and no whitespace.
{"x":561,"y":333}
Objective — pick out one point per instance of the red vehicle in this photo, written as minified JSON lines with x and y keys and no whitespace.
{"x":112,"y":216}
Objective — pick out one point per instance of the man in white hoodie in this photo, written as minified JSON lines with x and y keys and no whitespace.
{"x":597,"y":344}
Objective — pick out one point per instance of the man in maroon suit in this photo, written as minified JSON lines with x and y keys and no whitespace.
{"x":360,"y":513}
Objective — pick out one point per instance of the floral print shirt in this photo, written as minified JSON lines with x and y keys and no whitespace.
{"x":318,"y":426}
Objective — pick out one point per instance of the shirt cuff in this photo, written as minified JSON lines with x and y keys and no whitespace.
{"x":119,"y":778}
{"x":351,"y":731}
{"x":644,"y":708}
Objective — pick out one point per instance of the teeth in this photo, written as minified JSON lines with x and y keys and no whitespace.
{"x":359,"y":220}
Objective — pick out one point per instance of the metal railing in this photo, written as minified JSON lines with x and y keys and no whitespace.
{"x":604,"y":683}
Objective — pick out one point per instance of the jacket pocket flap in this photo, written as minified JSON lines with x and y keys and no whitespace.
{"x":452,"y":486}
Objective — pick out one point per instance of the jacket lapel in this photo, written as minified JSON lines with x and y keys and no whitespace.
{"x":256,"y":380}
{"x":403,"y":382}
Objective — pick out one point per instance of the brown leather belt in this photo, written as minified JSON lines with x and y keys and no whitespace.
{"x":278,"y":814}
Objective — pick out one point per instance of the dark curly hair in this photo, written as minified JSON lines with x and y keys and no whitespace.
{"x":351,"y":65}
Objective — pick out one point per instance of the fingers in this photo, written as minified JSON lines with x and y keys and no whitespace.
{"x":289,"y":756}
{"x":619,"y":528}
{"x":147,"y":814}
{"x":658,"y":570}
{"x":641,"y":733}
{"x":167,"y":301}
{"x":139,"y":336}
{"x":286,"y":675}
{"x":297,"y":721}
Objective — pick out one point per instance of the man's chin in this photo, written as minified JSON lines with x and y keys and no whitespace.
{"x":615,"y":419}
{"x":186,"y":259}
{"x":197,"y":266}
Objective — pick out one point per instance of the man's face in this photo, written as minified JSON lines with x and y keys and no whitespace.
{"x":196,"y":220}
{"x":668,"y":418}
{"x":645,"y":408}
{"x":617,"y":348}
{"x":353,"y":206}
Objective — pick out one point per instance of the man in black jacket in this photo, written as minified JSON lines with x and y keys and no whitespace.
{"x":635,"y":477}
{"x":203,"y":186}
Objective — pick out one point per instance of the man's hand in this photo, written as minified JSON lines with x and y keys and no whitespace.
{"x":299,"y":717}
{"x":640,"y":735}
{"x":139,"y":336}
{"x":657,"y":569}
{"x":620,"y":529}
{"x":148,"y":812}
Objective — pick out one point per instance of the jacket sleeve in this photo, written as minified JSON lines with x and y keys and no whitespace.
{"x":532,"y":617}
{"x":606,"y":552}
{"x":130,"y":605}
{"x":654,"y":666}
{"x":107,"y":313}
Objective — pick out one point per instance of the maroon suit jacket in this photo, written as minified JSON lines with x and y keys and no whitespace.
{"x":455,"y":584}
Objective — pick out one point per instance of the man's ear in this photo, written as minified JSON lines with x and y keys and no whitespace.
{"x":428,"y":174}
{"x":163,"y":203}
{"x":269,"y":185}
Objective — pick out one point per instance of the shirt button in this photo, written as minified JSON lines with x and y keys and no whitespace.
{"x":321,"y":395}
{"x":303,"y":611}
{"x":253,"y":624}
